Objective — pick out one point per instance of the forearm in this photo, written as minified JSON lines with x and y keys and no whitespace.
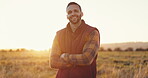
{"x":81,"y":59}
{"x":58,"y":63}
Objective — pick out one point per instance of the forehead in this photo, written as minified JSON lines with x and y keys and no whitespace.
{"x":72,"y":7}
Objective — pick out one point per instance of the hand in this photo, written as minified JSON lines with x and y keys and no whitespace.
{"x":64,"y":56}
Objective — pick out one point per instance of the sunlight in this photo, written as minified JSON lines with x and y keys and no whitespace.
{"x":40,"y":53}
{"x":34,"y":26}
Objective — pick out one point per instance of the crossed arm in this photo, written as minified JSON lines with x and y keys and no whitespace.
{"x":65,"y":60}
{"x":55,"y":61}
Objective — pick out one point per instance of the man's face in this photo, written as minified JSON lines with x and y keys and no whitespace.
{"x":74,"y":14}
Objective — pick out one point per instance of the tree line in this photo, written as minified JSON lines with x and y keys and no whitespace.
{"x":120,"y":49}
{"x":14,"y":50}
{"x":22,"y":50}
{"x":100,"y":49}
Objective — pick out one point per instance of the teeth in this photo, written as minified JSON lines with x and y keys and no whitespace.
{"x":74,"y":16}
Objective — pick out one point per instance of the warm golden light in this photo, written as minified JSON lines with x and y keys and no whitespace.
{"x":34,"y":26}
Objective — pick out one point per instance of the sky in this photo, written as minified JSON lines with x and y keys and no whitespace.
{"x":32,"y":24}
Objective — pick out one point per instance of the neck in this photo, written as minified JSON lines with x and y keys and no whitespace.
{"x":75,"y":26}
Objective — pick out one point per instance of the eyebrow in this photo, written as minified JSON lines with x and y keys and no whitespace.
{"x":69,"y":11}
{"x":74,"y":10}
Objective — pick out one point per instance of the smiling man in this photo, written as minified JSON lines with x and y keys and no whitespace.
{"x":74,"y":49}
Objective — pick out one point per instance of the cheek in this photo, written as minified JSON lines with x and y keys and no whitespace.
{"x":68,"y":16}
{"x":81,"y":15}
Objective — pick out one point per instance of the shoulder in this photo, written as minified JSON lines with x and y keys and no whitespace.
{"x":94,"y":36}
{"x":93,"y":30}
{"x":92,"y":33}
{"x":61,"y":31}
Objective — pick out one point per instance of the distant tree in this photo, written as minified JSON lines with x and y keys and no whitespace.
{"x":129,"y":49}
{"x":140,"y":49}
{"x":10,"y":50}
{"x":109,"y":49}
{"x":101,"y":49}
{"x":23,"y":49}
{"x":17,"y":50}
{"x":4,"y":50}
{"x":118,"y":49}
{"x":146,"y":49}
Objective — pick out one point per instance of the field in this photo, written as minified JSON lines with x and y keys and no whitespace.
{"x":109,"y":65}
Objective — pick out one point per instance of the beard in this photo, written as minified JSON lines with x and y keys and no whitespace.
{"x":75,"y":19}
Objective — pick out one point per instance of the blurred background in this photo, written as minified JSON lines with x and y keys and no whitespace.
{"x":32,"y":24}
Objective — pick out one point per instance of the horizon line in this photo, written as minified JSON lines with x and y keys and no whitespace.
{"x":50,"y":47}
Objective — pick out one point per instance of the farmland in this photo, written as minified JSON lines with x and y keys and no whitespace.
{"x":109,"y":65}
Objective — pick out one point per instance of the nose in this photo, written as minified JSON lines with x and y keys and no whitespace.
{"x":73,"y":13}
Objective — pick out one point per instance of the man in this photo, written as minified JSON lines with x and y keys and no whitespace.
{"x":74,"y":50}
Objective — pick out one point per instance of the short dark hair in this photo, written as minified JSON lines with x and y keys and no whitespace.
{"x":74,"y":3}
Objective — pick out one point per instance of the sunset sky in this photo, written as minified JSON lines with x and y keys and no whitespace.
{"x":32,"y":24}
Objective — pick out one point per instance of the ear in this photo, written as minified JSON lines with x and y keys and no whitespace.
{"x":67,"y":16}
{"x":81,"y":14}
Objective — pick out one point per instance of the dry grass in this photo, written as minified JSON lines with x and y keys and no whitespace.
{"x":25,"y":65}
{"x":122,"y":65}
{"x":109,"y":65}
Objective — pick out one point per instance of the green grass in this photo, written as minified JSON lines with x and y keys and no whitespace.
{"x":109,"y":65}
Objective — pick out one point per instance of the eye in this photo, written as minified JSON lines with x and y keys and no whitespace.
{"x":69,"y":12}
{"x":76,"y":10}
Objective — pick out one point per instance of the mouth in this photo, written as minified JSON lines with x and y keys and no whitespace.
{"x":74,"y":16}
